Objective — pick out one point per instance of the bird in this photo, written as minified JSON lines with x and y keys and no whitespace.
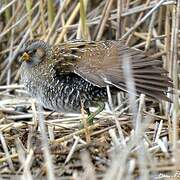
{"x":63,"y":76}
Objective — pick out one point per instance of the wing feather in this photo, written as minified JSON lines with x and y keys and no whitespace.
{"x":102,"y":62}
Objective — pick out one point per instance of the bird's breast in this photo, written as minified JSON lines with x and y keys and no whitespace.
{"x":62,"y":93}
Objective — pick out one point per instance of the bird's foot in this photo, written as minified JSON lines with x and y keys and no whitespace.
{"x":91,"y":116}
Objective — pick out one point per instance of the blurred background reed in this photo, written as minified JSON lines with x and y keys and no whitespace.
{"x":111,"y":148}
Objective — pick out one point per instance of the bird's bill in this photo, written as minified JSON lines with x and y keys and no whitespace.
{"x":25,"y":57}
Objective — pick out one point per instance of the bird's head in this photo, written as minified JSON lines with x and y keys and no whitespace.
{"x":34,"y":51}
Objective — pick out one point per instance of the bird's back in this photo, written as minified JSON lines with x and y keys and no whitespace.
{"x":102,"y":63}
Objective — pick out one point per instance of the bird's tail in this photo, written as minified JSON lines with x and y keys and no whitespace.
{"x":149,"y":78}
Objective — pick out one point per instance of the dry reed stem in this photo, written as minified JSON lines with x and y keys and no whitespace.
{"x":69,"y":21}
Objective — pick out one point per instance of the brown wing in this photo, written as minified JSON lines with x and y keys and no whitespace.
{"x":102,"y":62}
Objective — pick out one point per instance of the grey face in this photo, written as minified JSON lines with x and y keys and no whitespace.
{"x":34,"y":52}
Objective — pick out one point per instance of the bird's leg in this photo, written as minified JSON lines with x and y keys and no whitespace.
{"x":91,"y":116}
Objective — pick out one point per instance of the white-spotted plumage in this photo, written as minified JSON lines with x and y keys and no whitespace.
{"x":72,"y":72}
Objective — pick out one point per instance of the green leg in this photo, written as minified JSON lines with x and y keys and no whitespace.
{"x":91,"y":116}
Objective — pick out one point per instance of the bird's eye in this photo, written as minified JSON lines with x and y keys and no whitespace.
{"x":40,"y":52}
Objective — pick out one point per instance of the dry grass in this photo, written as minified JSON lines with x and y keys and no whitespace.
{"x":129,"y":141}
